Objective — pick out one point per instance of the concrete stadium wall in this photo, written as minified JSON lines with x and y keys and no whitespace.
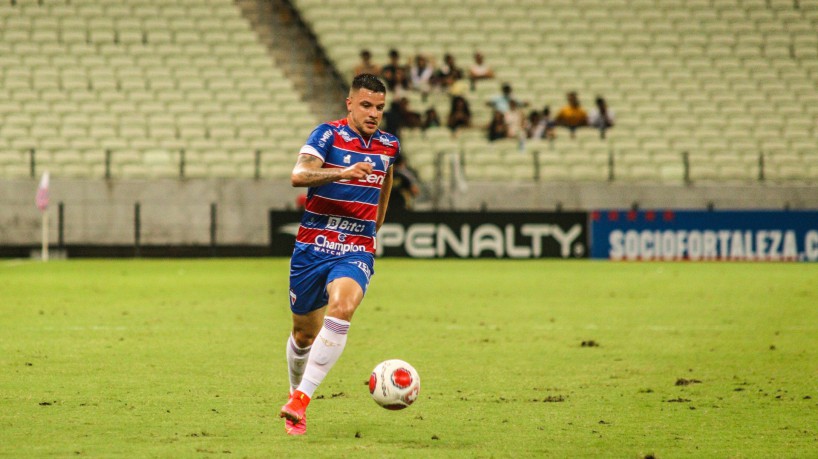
{"x":177,"y":212}
{"x":172,"y":211}
{"x":588,"y":196}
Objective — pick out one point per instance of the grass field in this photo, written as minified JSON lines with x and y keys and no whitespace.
{"x":186,"y":359}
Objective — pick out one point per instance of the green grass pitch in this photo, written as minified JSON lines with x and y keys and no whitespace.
{"x":185,"y":358}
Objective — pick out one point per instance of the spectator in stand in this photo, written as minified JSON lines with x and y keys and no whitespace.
{"x":459,"y":114}
{"x":572,"y":116}
{"x":401,"y":82}
{"x":395,"y":74}
{"x":405,"y":187}
{"x":479,"y":70}
{"x":448,"y":73}
{"x":366,"y":65}
{"x":421,"y":76}
{"x":400,"y":116}
{"x":602,"y":118}
{"x":535,"y":130}
{"x":502,"y":101}
{"x":497,"y":127}
{"x":541,"y":126}
{"x":430,"y":119}
{"x":409,"y":118}
{"x":392,"y":119}
{"x":516,"y":121}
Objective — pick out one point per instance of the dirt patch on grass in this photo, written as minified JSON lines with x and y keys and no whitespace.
{"x":687,"y":382}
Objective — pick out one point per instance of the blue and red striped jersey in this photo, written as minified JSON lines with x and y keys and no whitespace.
{"x":340,"y":217}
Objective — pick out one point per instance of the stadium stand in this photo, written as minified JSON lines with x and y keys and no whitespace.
{"x":148,"y":81}
{"x":724,"y":80}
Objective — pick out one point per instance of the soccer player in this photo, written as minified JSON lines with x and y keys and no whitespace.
{"x":347,"y":165}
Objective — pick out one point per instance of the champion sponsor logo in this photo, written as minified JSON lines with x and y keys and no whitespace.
{"x":384,"y":140}
{"x":322,"y":244}
{"x":342,"y":237}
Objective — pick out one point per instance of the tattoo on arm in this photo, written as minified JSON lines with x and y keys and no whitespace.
{"x":310,"y":173}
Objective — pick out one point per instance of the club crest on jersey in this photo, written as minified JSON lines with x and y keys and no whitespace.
{"x":345,"y":135}
{"x":385,"y":160}
{"x":293,"y":297}
{"x":384,"y":140}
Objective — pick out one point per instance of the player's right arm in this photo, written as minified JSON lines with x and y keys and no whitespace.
{"x":308,"y":171}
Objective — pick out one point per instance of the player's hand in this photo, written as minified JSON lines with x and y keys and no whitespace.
{"x":357,"y":171}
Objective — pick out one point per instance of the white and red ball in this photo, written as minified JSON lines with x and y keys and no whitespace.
{"x":394,"y":384}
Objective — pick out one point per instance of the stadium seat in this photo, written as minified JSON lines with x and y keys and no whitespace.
{"x":76,"y":60}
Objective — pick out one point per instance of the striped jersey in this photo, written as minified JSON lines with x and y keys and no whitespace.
{"x":340,"y":217}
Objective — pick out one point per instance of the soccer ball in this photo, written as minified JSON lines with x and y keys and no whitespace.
{"x":394,"y":384}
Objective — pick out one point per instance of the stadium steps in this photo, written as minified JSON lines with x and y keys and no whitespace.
{"x":137,"y":78}
{"x":291,"y":44}
{"x":718,"y":79}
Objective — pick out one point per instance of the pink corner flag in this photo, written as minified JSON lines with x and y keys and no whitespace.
{"x":42,"y":193}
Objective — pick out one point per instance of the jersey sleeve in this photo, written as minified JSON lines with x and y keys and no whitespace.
{"x":319,"y":142}
{"x":398,"y":152}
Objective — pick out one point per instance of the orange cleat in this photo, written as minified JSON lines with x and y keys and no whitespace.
{"x":294,"y":411}
{"x":293,"y":428}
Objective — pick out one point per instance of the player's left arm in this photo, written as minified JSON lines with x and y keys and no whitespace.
{"x":383,"y":201}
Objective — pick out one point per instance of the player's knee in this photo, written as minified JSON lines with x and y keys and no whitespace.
{"x":342,"y":309}
{"x":303,"y":338}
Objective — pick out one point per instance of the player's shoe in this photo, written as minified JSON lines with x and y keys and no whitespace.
{"x":299,"y":428}
{"x":295,"y":412}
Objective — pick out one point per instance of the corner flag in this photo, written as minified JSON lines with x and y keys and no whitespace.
{"x":42,"y":204}
{"x":42,"y":193}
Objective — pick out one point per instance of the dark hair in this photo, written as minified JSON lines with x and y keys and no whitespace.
{"x":465,"y":102}
{"x":368,"y":81}
{"x":393,"y":53}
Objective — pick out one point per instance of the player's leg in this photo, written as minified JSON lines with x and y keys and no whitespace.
{"x":308,"y":278}
{"x":305,"y":329}
{"x":345,"y":295}
{"x":346,"y":286}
